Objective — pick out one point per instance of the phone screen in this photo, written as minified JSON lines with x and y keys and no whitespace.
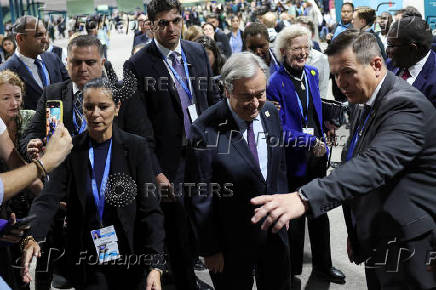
{"x":53,"y":113}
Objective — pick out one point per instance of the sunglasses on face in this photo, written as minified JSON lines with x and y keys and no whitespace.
{"x":164,"y":23}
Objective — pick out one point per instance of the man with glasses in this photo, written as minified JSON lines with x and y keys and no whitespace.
{"x":37,"y":69}
{"x":411,"y":56}
{"x":174,"y":83}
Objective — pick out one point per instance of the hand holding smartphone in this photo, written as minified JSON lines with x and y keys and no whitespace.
{"x":53,"y":115}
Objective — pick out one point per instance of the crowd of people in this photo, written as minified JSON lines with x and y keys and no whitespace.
{"x":212,"y":149}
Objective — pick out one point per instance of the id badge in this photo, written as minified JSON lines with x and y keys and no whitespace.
{"x":193,"y":112}
{"x":106,"y":244}
{"x":310,"y":131}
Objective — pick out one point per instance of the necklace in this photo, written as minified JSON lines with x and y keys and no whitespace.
{"x":303,"y":75}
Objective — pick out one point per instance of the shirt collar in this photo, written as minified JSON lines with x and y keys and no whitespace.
{"x":75,"y":88}
{"x":417,"y":67}
{"x":165,"y":51}
{"x":374,"y":94}
{"x":242,"y":124}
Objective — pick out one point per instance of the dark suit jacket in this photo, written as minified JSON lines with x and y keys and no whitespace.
{"x":162,"y":103}
{"x":223,"y":43}
{"x":130,"y":117}
{"x":219,"y":156}
{"x":141,"y":221}
{"x":388,"y":186}
{"x":426,"y":80}
{"x":56,"y":70}
{"x":141,"y":38}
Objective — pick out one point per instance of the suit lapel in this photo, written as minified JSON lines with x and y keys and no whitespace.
{"x":426,"y":71}
{"x":119,"y":165}
{"x":237,"y":140}
{"x":67,"y":94}
{"x":80,"y":161}
{"x":269,"y":133}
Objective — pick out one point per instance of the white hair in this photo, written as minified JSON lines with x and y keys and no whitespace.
{"x":242,"y":65}
{"x":285,"y":37}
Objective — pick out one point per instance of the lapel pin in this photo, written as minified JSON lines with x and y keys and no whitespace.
{"x":283,"y":84}
{"x":267,"y":113}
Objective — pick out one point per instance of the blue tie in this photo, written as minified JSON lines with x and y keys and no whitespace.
{"x":41,"y":73}
{"x":184,"y":98}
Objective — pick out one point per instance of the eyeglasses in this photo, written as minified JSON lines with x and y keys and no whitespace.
{"x":299,"y":49}
{"x":164,"y":23}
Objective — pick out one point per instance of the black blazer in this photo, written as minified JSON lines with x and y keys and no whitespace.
{"x":56,"y":70}
{"x":388,"y":186}
{"x":219,"y":156}
{"x":140,"y":222}
{"x":130,"y":117}
{"x":223,"y":42}
{"x":162,"y":103}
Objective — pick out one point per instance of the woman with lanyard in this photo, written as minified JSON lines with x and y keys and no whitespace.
{"x":113,"y":220}
{"x":295,"y":87}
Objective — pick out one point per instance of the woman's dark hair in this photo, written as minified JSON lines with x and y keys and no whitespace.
{"x":99,"y":83}
{"x":210,"y":44}
{"x":11,"y":39}
{"x":206,"y":23}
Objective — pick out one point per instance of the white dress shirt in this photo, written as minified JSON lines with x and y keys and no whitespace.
{"x":416,"y":69}
{"x":260,"y":136}
{"x":166,"y":53}
{"x":30,"y":63}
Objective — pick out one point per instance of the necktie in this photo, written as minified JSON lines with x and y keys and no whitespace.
{"x":78,"y":110}
{"x":41,"y":73}
{"x":184,"y":98}
{"x":406,"y":74}
{"x":252,"y":142}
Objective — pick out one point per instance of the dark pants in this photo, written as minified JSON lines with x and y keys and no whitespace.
{"x":319,"y":228}
{"x":402,"y":265}
{"x":110,"y":277}
{"x":270,"y":264}
{"x":179,"y":239}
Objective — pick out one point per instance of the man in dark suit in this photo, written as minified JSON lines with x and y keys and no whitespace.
{"x":225,"y":156}
{"x":85,"y":62}
{"x":144,"y":34}
{"x":172,"y":101}
{"x":220,"y":36}
{"x":409,"y":47}
{"x":387,"y":184}
{"x":35,"y":67}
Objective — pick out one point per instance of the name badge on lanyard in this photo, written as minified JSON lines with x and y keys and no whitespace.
{"x":105,"y":239}
{"x":306,"y":130}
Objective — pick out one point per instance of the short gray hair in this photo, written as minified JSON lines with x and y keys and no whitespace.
{"x":285,"y":37}
{"x":242,"y":65}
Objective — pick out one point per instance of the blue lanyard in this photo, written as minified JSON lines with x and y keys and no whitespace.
{"x":307,"y":102}
{"x":99,"y":195}
{"x":356,"y":137}
{"x":177,"y":76}
{"x":83,"y":127}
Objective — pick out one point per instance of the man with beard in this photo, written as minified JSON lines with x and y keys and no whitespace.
{"x":385,"y":23}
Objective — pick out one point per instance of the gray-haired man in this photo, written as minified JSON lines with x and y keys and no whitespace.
{"x":235,"y":150}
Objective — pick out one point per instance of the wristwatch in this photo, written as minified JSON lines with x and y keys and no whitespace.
{"x":302,"y":195}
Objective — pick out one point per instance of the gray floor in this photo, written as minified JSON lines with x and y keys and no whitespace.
{"x":119,"y":51}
